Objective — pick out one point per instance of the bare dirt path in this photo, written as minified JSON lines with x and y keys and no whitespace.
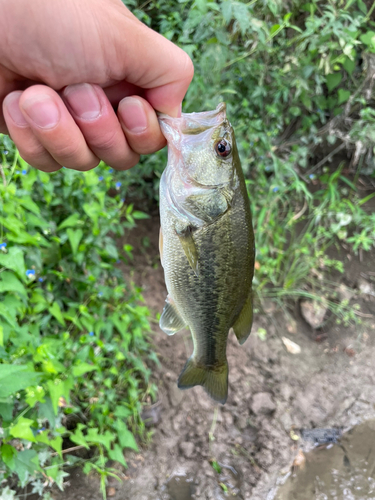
{"x":271,"y":392}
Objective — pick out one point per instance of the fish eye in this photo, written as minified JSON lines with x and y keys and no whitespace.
{"x":223,"y":148}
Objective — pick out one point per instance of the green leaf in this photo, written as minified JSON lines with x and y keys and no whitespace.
{"x":140,"y":215}
{"x":59,"y":389}
{"x":368,"y":39}
{"x":82,"y":369}
{"x":6,"y":411}
{"x":349,"y":65}
{"x":333,"y":80}
{"x":9,"y":283}
{"x":117,"y":455}
{"x":29,"y":204}
{"x":125,"y":437}
{"x":34,"y":395}
{"x":78,"y":437}
{"x":362,"y":6}
{"x":26,"y":463}
{"x":71,"y":221}
{"x":22,"y":429}
{"x":274,"y":28}
{"x":14,"y":261}
{"x":8,"y":454}
{"x":14,"y":378}
{"x":56,"y":313}
{"x":1,"y":336}
{"x":105,"y":439}
{"x":343,"y":95}
{"x":75,"y":237}
{"x":7,"y":494}
{"x":55,"y":443}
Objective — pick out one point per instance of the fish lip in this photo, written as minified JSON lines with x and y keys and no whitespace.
{"x":202,"y":120}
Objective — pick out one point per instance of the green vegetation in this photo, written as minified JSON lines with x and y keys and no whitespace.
{"x":297,"y":78}
{"x":75,"y":363}
{"x":73,"y":348}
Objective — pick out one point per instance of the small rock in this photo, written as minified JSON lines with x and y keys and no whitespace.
{"x":345,"y":293}
{"x":152,"y":416}
{"x":262,"y":404}
{"x":291,"y":347}
{"x":187,"y":449}
{"x":242,"y":422}
{"x":265,"y":458}
{"x":314,"y":312}
{"x":292,"y":326}
{"x":365,"y":287}
{"x":300,"y":460}
{"x":175,"y":394}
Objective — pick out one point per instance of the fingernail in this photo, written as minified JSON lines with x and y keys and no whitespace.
{"x":12,"y":104}
{"x":42,"y":110}
{"x":83,"y":100}
{"x":133,"y":115}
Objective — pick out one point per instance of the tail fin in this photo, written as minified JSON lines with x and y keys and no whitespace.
{"x":213,"y":380}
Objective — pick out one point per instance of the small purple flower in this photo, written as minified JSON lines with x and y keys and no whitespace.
{"x":110,"y":170}
{"x":17,"y":171}
{"x":251,"y":143}
{"x":40,"y":280}
{"x":24,"y":171}
{"x":118,"y":261}
{"x":30,"y":273}
{"x":91,"y":334}
{"x":240,"y":78}
{"x":100,"y":294}
{"x":6,"y":152}
{"x":122,"y":200}
{"x":3,"y":246}
{"x":101,"y":178}
{"x":40,"y":430}
{"x":275,"y":189}
{"x":312,"y":176}
{"x":118,"y":185}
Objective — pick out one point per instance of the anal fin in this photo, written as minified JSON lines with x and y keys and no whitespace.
{"x":242,"y":326}
{"x":170,"y":319}
{"x":214,"y":380}
{"x":188,"y":244}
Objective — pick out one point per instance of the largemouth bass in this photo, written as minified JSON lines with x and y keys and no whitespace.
{"x":206,"y":244}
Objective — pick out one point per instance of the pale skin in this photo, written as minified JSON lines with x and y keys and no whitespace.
{"x":81,"y":81}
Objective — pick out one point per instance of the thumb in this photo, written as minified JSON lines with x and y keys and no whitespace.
{"x":149,"y":61}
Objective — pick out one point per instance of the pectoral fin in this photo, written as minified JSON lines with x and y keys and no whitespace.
{"x":170,"y":319}
{"x":242,"y":326}
{"x":188,"y":244}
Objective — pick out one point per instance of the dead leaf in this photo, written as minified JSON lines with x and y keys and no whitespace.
{"x":111,"y":491}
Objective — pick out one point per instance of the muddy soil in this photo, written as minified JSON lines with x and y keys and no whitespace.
{"x":243,"y":449}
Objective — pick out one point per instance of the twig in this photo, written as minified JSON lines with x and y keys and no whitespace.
{"x":363,"y":315}
{"x":74,"y":448}
{"x":328,"y":157}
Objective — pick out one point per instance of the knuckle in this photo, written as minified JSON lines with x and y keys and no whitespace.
{"x":35,"y":155}
{"x":105,"y":143}
{"x":68,"y":151}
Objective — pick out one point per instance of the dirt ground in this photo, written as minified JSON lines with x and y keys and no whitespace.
{"x":272,"y":394}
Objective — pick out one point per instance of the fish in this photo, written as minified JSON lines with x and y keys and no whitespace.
{"x":206,"y":244}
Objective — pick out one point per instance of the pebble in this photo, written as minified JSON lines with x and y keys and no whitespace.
{"x":187,"y":449}
{"x":262,"y":403}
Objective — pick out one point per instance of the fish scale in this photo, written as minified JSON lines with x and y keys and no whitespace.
{"x":206,"y":244}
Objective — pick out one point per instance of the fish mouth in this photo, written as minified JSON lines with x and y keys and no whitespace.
{"x":196,"y":123}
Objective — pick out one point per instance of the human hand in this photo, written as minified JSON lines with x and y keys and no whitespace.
{"x":65,"y":64}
